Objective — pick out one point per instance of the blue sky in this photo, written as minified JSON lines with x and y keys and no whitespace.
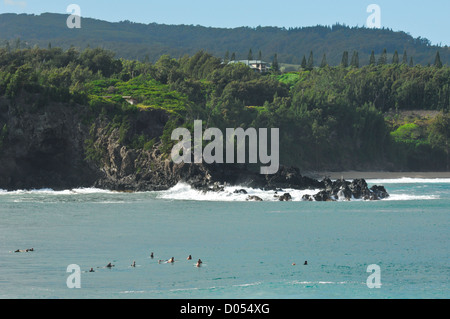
{"x":428,"y":19}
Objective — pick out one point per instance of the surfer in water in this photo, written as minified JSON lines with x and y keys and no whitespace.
{"x":151,"y":256}
{"x":199,"y":263}
{"x":24,"y":250}
{"x":189,"y":258}
{"x":109,"y":265}
{"x":133,"y":264}
{"x":171,"y":260}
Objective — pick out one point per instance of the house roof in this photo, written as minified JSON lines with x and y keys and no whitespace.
{"x":248,"y":62}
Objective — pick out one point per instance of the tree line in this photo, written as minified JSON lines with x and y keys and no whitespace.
{"x":136,"y":41}
{"x":354,"y":62}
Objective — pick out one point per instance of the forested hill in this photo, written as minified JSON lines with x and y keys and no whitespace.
{"x":150,"y":41}
{"x":67,"y":112}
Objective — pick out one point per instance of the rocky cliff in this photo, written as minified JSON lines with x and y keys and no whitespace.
{"x":42,"y":147}
{"x":63,"y":146}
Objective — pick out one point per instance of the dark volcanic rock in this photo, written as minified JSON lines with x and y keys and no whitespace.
{"x":290,"y":177}
{"x":285,"y":198}
{"x":322,"y":196}
{"x":254,"y":198}
{"x":43,"y":148}
{"x":359,"y":189}
{"x":379,"y":191}
{"x":345,"y":190}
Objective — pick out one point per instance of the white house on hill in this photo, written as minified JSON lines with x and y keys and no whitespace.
{"x":257,"y":65}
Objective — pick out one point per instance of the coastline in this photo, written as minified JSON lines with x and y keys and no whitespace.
{"x":351,"y":175}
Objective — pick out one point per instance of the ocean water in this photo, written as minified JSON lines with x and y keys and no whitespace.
{"x":248,"y":249}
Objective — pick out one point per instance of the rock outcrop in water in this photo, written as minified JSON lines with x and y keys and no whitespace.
{"x":285,"y":198}
{"x":57,"y":146}
{"x":345,"y":190}
{"x":286,"y":178}
{"x":254,"y":198}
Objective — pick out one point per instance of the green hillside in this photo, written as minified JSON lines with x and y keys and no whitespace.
{"x":148,"y":42}
{"x":329,"y":118}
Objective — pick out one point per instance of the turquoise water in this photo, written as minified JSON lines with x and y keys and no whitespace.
{"x":247,"y":248}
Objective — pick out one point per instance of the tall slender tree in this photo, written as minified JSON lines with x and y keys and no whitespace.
{"x":275,"y":65}
{"x":250,"y":55}
{"x":395,"y":58}
{"x":303,"y":65}
{"x":355,"y":59}
{"x":405,"y":58}
{"x":372,"y":60}
{"x":260,"y":55}
{"x":411,"y":62}
{"x":310,"y":64}
{"x":233,"y":56}
{"x":437,"y":61}
{"x":324,"y":62}
{"x":383,"y":58}
{"x":344,"y":61}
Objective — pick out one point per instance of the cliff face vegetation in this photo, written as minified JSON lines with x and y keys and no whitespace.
{"x":79,"y":119}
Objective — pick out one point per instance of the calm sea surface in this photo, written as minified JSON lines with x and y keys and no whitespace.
{"x":248,"y":248}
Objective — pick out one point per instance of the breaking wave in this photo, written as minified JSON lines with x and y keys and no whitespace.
{"x":184,"y":191}
{"x":401,"y":197}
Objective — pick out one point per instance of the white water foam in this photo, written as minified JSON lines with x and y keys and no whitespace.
{"x":402,"y":197}
{"x":184,"y":191}
{"x":249,"y":285}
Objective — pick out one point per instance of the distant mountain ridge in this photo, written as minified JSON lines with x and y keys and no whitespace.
{"x":150,"y":41}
